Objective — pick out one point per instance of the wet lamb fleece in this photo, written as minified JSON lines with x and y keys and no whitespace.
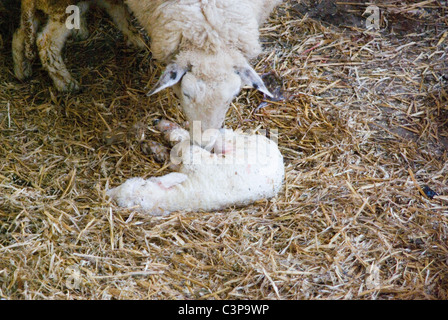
{"x":244,"y":168}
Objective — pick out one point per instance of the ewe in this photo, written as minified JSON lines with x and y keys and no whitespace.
{"x":206,"y":45}
{"x":243,"y":169}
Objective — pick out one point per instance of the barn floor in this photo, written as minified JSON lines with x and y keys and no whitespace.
{"x":363,"y":130}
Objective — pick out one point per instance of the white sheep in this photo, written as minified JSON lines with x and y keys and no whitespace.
{"x":206,"y":45}
{"x":243,"y":169}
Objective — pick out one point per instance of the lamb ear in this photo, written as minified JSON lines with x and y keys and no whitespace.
{"x":171,"y":179}
{"x":250,"y":77}
{"x":172,"y":75}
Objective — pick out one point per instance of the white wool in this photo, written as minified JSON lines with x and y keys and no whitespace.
{"x":251,"y":168}
{"x":208,"y":25}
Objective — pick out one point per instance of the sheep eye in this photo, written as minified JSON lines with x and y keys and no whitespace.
{"x":186,"y":95}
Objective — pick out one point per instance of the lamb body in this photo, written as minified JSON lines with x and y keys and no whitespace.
{"x":244,"y":169}
{"x":206,"y":45}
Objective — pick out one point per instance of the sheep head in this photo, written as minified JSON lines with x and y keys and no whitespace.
{"x":206,"y":84}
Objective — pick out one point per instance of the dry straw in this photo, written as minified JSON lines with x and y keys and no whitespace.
{"x":363,"y":130}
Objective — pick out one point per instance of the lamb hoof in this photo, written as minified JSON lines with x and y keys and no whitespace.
{"x":157,"y":150}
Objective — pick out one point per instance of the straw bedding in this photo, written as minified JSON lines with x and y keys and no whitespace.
{"x":363,"y":130}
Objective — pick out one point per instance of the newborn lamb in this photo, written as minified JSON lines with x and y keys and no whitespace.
{"x":244,"y":168}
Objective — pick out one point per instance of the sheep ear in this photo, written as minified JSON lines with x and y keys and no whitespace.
{"x":172,"y":75}
{"x":171,"y":179}
{"x":250,"y":77}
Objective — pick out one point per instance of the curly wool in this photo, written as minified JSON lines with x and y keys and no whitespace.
{"x":208,"y":25}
